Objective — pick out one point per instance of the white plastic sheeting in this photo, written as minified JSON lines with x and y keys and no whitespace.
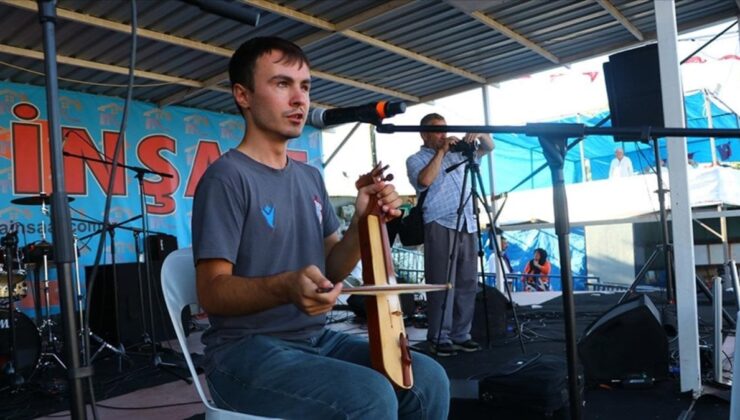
{"x":619,"y":199}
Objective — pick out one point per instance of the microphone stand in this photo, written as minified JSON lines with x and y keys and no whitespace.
{"x":150,"y":336}
{"x":553,"y":137}
{"x":10,"y":243}
{"x":119,"y":350}
{"x":61,"y":223}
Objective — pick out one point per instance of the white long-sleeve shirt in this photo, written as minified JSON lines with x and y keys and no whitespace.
{"x":621,"y":168}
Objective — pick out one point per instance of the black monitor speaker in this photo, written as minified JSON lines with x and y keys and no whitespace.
{"x":633,"y":87}
{"x":628,"y":341}
{"x":498,"y":309}
{"x":116,"y":309}
{"x":161,"y":245}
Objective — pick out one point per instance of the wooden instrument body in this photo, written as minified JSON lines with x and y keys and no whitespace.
{"x":389,"y":348}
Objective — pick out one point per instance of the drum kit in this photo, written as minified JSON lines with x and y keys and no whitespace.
{"x":28,"y":347}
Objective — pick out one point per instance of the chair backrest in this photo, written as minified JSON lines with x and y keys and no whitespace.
{"x":178,"y":287}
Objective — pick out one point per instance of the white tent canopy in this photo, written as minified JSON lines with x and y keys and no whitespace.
{"x":617,"y":200}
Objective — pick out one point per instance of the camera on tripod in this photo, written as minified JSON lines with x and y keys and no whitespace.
{"x":464,"y":147}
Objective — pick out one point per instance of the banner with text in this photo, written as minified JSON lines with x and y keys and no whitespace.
{"x":178,"y":141}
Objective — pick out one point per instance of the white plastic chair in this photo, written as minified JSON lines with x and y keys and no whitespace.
{"x":178,"y":287}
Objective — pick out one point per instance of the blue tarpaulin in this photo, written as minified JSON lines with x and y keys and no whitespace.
{"x":517,"y":156}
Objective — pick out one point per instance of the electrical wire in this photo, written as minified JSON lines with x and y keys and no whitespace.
{"x":82,"y":82}
{"x":106,"y":213}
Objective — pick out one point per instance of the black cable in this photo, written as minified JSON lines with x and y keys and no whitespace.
{"x":108,"y":199}
{"x":708,"y":42}
{"x":729,"y":360}
{"x":151,"y":407}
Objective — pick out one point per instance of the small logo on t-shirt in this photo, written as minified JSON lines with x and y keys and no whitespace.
{"x":269,"y":212}
{"x":319,"y":208}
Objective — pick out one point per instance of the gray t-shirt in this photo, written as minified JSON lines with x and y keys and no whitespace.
{"x":265,"y":221}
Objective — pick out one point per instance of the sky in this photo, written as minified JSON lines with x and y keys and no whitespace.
{"x":545,"y":96}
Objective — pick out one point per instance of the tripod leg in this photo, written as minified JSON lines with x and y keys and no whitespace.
{"x":168,"y":367}
{"x":119,"y":351}
{"x":478,"y":181}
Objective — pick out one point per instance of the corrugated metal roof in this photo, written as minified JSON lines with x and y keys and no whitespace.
{"x":361,"y":50}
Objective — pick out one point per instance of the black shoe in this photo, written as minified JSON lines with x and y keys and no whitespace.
{"x":467,"y":346}
{"x":442,"y":350}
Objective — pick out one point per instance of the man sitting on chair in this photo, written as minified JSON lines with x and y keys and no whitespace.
{"x":265,"y":241}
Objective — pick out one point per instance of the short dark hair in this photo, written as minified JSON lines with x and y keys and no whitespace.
{"x":431,"y":117}
{"x":244,"y":59}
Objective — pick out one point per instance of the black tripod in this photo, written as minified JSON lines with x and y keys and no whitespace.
{"x":472,"y":172}
{"x":665,"y":248}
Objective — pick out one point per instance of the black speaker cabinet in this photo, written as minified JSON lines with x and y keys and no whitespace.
{"x":160,"y":246}
{"x":497,"y":306}
{"x":628,"y":341}
{"x":633,"y":87}
{"x":127,"y":324}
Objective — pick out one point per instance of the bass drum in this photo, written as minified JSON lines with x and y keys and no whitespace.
{"x":27,"y":344}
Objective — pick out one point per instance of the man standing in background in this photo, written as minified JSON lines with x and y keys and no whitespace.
{"x":427,"y":172}
{"x":621,"y":165}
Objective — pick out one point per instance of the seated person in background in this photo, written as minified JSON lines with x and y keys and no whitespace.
{"x":539,"y":266}
{"x":265,"y":241}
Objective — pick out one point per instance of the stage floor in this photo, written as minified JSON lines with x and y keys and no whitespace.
{"x":148,"y":393}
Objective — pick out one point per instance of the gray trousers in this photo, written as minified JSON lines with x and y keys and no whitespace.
{"x":458,"y":316}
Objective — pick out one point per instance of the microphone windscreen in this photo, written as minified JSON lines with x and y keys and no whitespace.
{"x":316,"y":117}
{"x":394,"y":107}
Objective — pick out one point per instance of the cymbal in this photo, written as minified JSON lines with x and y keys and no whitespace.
{"x":36,"y":200}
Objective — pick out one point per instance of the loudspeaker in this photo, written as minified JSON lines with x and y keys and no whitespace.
{"x":357,"y":304}
{"x":633,"y":87}
{"x":498,"y":306}
{"x":160,"y":246}
{"x":128,"y":318}
{"x":625,"y":343}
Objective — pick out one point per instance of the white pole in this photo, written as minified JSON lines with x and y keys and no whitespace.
{"x":710,"y":124}
{"x":582,"y":152}
{"x":500,"y":273}
{"x":683,"y":237}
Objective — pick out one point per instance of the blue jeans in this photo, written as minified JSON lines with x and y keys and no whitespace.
{"x":328,"y":377}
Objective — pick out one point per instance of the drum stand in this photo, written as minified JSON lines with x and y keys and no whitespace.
{"x":10,"y":242}
{"x":49,"y":341}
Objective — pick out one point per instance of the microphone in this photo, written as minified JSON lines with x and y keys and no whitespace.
{"x":500,"y":196}
{"x":371,"y":113}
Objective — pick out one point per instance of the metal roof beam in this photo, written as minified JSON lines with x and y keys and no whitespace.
{"x":215,"y":80}
{"x":362,"y":85}
{"x":186,"y":93}
{"x":209,"y":84}
{"x":357,"y":36}
{"x":607,"y":49}
{"x":124,"y":28}
{"x":622,"y":18}
{"x":38,"y":55}
{"x":471,"y":8}
{"x":506,"y":31}
{"x":355,"y":20}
